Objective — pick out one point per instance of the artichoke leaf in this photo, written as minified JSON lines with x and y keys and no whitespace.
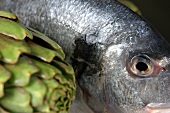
{"x":16,"y":100}
{"x":37,"y":89}
{"x":53,"y":44}
{"x":43,"y":109}
{"x":4,"y":76}
{"x":56,"y":99}
{"x":66,"y":69}
{"x":43,"y":53}
{"x":51,"y":85}
{"x":9,"y":16}
{"x":1,"y":90}
{"x":3,"y":111}
{"x":21,"y":71}
{"x":62,"y":80}
{"x":13,"y":29}
{"x":11,"y":49}
{"x":47,"y":71}
{"x":62,"y":112}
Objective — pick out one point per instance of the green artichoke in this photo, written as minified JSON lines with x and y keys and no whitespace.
{"x":33,"y":74}
{"x":131,"y":6}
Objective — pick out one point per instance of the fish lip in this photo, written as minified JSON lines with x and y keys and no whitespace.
{"x":149,"y":108}
{"x":157,"y":108}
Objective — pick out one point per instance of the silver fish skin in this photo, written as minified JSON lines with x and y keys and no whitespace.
{"x":101,"y":38}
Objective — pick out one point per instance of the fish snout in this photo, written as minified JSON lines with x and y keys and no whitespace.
{"x":167,"y":69}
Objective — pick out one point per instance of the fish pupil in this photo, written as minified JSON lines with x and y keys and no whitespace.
{"x":141,"y":66}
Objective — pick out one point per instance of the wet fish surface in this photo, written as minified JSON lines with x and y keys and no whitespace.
{"x":121,"y":61}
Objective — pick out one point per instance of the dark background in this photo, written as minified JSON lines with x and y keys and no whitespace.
{"x":157,"y":12}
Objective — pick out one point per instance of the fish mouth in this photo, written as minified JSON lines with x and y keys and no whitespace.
{"x":157,"y":108}
{"x":149,"y":108}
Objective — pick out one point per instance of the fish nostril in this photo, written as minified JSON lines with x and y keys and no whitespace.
{"x":167,"y":68}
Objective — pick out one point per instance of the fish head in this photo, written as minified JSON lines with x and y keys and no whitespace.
{"x":130,"y":73}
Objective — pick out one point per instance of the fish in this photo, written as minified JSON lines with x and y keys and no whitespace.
{"x":121,"y":62}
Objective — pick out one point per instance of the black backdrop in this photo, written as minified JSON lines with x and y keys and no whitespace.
{"x":157,"y":12}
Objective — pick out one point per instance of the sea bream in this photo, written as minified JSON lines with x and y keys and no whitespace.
{"x":121,"y":62}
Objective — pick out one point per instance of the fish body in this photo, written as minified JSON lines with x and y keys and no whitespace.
{"x":121,"y":61}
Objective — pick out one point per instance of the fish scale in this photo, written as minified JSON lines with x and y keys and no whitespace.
{"x":91,"y":33}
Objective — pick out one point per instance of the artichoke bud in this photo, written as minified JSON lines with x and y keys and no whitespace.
{"x":34,"y":76}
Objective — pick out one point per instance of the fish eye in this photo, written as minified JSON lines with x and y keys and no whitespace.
{"x":141,"y":66}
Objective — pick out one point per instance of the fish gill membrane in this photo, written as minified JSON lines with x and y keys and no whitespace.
{"x":121,"y":62}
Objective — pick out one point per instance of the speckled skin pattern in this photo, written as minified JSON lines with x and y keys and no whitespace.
{"x":99,"y":38}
